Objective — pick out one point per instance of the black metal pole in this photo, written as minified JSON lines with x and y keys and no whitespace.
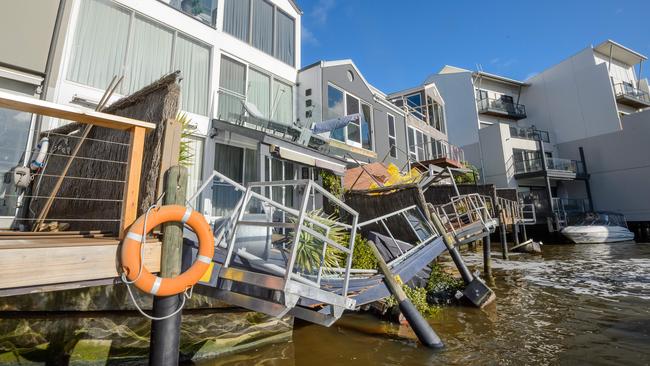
{"x":587,"y":184}
{"x":523,"y":227}
{"x":503,"y":234}
{"x":547,"y":182}
{"x":421,"y":327}
{"x":165,"y":335}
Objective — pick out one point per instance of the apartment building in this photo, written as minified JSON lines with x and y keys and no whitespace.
{"x":539,"y":135}
{"x":227,"y":51}
{"x":334,"y":89}
{"x":426,"y":123}
{"x":25,"y":71}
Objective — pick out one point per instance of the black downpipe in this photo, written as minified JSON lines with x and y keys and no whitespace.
{"x":165,"y":334}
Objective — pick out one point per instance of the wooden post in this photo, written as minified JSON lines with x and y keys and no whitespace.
{"x":515,"y":231}
{"x":132,"y":182}
{"x":165,"y":334}
{"x":171,"y":145}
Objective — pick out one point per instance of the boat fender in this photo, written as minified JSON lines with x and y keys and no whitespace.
{"x":131,"y":259}
{"x":39,"y":161}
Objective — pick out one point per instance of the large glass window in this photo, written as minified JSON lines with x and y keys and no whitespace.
{"x":335,"y":109}
{"x":232,"y":86}
{"x":259,"y":91}
{"x":238,"y":164}
{"x":283,"y":94}
{"x":272,"y":97}
{"x":100,"y":43}
{"x":193,"y":59}
{"x":106,"y":44}
{"x":262,"y":25}
{"x":417,"y":144}
{"x":285,"y":38}
{"x":236,"y":15}
{"x":150,"y":54}
{"x":356,"y":133}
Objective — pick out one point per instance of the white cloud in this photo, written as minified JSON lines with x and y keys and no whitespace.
{"x":308,"y":37}
{"x":321,"y":11}
{"x":531,"y":75}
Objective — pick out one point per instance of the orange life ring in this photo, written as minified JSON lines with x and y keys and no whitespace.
{"x":131,"y":246}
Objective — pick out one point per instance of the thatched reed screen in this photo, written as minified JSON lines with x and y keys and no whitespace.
{"x":101,"y":161}
{"x":375,"y":203}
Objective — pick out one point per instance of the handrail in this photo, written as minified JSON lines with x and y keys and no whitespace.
{"x":535,"y":165}
{"x":136,"y":129}
{"x":623,"y":89}
{"x":529,"y":134}
{"x":66,"y":112}
{"x":501,"y":105}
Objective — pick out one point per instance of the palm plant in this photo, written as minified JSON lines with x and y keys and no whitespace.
{"x":185,"y":156}
{"x":309,"y":252}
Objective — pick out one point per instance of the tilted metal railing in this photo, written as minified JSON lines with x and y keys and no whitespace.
{"x":462,"y":211}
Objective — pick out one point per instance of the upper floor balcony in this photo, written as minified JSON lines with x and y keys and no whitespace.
{"x":627,"y":94}
{"x":556,"y":168}
{"x":437,"y":152}
{"x":529,"y":134}
{"x":503,"y":107}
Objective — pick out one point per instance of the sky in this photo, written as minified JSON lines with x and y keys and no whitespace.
{"x":397,"y":44}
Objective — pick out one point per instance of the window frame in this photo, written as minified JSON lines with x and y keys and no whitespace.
{"x":361,"y":102}
{"x":417,"y":152}
{"x":392,"y":139}
{"x":273,"y":78}
{"x":133,"y":14}
{"x":274,"y":41}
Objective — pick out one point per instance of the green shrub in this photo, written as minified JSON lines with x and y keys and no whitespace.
{"x":418,"y":296}
{"x":439,"y":280}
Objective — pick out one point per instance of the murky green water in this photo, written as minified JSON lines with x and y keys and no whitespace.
{"x":576,"y":304}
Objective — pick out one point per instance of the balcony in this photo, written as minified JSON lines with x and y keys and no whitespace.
{"x":501,"y":108}
{"x":529,"y":134}
{"x":629,"y":95}
{"x":561,"y":169}
{"x":441,"y":153}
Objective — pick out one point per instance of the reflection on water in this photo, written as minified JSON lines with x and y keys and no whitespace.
{"x":576,"y":304}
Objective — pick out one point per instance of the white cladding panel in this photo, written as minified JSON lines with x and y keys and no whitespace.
{"x":573,"y":99}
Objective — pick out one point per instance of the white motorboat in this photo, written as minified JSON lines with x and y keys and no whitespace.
{"x":599,"y":227}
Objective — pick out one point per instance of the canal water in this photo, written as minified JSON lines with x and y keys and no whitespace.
{"x":575,"y":304}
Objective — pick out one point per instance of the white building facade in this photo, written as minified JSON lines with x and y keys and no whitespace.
{"x":528,"y":135}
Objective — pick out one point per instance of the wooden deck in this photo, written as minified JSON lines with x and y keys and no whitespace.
{"x":36,"y":262}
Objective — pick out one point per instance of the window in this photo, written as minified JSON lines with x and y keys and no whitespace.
{"x":417,"y":144}
{"x":356,"y":133}
{"x":238,"y":164}
{"x":283,"y":100}
{"x":232,"y":87}
{"x":202,"y":10}
{"x":285,"y":38}
{"x":366,"y":123}
{"x":353,"y":128}
{"x":481,"y":94}
{"x":259,"y":91}
{"x":262,"y":25}
{"x":436,"y":116}
{"x":392,"y":140}
{"x":236,"y":15}
{"x":238,"y":82}
{"x":106,"y":44}
{"x":335,"y":109}
{"x":414,"y":102}
{"x":14,"y":134}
